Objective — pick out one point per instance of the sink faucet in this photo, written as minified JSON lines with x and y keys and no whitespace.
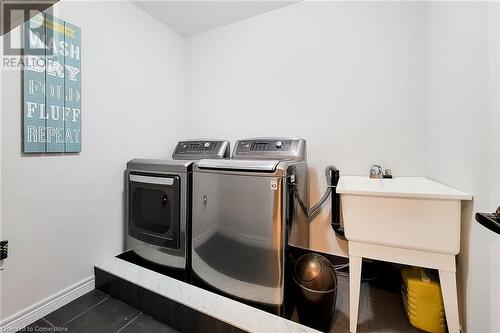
{"x":376,"y":171}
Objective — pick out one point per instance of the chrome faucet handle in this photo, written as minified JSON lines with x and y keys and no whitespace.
{"x":376,"y":171}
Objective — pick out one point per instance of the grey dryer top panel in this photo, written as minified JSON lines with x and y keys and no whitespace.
{"x":185,"y":154}
{"x":270,"y":149}
{"x":158,"y":165}
{"x":199,"y":149}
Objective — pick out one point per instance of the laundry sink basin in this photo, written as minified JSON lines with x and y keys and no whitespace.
{"x":404,"y":212}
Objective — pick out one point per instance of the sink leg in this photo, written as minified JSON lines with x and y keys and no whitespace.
{"x":354,"y":288}
{"x":449,"y":290}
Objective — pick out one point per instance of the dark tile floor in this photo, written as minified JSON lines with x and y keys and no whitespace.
{"x":380,"y":311}
{"x":96,"y":312}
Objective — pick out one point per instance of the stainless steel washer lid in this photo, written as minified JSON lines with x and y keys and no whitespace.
{"x":245,"y":165}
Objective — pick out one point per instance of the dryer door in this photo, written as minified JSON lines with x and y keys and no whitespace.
{"x":238,"y":240}
{"x":154,"y":209}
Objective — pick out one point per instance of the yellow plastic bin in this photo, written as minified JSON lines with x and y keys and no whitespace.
{"x":422,"y":300}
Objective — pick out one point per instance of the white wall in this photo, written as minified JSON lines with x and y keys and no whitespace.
{"x":463,"y":150}
{"x":413,"y":86}
{"x":409,"y":85}
{"x":63,"y":213}
{"x":1,"y":236}
{"x":348,"y":77}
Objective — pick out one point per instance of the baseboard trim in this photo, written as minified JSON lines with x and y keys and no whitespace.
{"x":39,"y":310}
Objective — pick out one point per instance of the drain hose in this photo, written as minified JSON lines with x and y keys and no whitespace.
{"x":332,"y":178}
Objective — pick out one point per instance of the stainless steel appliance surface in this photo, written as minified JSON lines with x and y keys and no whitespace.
{"x":158,"y":202}
{"x":244,"y":214}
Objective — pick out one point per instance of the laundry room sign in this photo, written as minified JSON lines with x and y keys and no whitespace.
{"x":52,"y":86}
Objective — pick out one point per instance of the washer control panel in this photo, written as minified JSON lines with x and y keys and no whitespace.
{"x":198,"y":149}
{"x":270,"y":148}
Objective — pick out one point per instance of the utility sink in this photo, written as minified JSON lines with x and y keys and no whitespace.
{"x":408,"y":220}
{"x":404,"y":212}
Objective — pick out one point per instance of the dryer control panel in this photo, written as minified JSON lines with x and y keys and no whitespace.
{"x":270,"y":148}
{"x":199,"y":149}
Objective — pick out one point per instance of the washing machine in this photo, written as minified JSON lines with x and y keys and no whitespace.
{"x":243,"y":217}
{"x":158,"y":204}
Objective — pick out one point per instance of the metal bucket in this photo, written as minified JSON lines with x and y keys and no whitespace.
{"x":316,"y":286}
